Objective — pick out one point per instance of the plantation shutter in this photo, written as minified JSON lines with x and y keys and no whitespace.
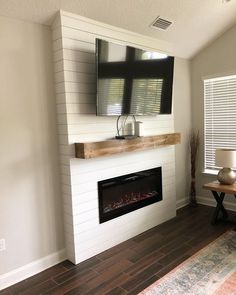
{"x":220,"y":116}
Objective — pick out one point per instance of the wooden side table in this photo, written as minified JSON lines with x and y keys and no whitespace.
{"x":219,"y":190}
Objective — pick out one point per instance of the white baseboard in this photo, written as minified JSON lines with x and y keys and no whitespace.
{"x":206,"y":201}
{"x":211,"y":202}
{"x":182,"y":203}
{"x":31,"y":269}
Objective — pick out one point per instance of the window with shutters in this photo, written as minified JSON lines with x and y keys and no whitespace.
{"x":219,"y":116}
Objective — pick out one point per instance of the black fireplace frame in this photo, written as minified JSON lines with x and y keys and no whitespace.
{"x":103,"y":217}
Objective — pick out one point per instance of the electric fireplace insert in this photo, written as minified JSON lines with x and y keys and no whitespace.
{"x":126,"y":193}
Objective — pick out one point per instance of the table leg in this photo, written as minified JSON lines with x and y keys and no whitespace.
{"x":219,"y":208}
{"x":235,"y":227}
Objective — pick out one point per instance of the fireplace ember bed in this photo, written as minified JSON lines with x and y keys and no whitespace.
{"x":123,"y":194}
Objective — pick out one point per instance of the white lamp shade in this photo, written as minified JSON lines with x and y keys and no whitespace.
{"x":225,"y":158}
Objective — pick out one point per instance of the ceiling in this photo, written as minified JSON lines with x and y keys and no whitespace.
{"x":196,"y":23}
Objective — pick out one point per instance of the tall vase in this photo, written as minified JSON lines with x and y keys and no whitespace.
{"x":194,"y":144}
{"x":193,"y":201}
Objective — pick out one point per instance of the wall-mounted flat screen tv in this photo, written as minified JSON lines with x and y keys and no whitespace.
{"x":132,"y":81}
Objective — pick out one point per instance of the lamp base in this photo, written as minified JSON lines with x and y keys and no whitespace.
{"x":226,"y":176}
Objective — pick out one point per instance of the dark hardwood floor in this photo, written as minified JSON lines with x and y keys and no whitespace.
{"x":131,"y":266}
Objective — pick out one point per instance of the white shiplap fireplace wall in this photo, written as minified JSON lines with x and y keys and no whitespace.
{"x":74,"y":57}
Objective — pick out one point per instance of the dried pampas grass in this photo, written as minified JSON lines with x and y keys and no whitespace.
{"x":194,"y":145}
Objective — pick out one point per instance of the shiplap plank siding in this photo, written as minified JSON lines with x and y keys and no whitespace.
{"x":75,"y":83}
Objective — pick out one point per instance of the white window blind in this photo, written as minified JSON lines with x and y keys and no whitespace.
{"x":219,"y":115}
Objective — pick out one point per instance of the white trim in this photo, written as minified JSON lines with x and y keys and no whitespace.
{"x":31,"y":269}
{"x":213,"y":76}
{"x":211,"y":172}
{"x":182,"y":203}
{"x":211,"y":202}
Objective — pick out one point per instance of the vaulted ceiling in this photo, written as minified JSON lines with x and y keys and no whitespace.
{"x":195,"y":23}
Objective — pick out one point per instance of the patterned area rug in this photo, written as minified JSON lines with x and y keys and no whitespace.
{"x":211,"y":271}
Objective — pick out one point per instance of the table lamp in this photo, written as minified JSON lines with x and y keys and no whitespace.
{"x":226,"y":158}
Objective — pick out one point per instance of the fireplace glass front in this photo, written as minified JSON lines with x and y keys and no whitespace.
{"x":123,"y":194}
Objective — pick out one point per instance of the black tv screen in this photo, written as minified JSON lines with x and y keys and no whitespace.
{"x":132,"y":81}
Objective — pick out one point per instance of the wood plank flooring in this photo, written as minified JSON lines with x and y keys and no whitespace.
{"x":131,"y":266}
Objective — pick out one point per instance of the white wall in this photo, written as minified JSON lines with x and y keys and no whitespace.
{"x":183,"y":124}
{"x":217,"y":59}
{"x":30,"y":201}
{"x":74,"y":56}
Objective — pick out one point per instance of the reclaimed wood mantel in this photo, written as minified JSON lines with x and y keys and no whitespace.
{"x":88,"y":150}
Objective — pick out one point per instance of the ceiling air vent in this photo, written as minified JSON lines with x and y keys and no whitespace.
{"x":161,"y":23}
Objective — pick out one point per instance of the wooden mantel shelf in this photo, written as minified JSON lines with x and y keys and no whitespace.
{"x":88,"y":150}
